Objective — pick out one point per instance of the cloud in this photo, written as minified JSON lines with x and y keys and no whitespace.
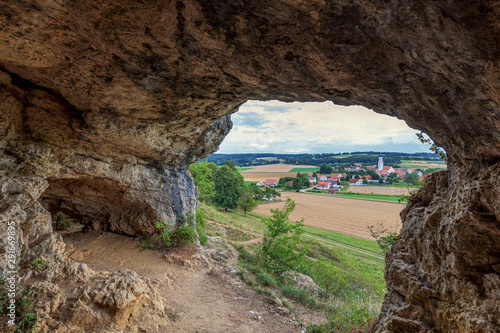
{"x":258,"y":146}
{"x":279,"y":127}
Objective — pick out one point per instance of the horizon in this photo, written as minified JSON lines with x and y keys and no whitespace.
{"x":341,"y":153}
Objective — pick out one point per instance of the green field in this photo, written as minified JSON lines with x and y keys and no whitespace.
{"x":424,"y":161}
{"x":382,"y":197}
{"x":304,"y":170}
{"x":273,"y":158}
{"x":421,"y":167}
{"x":361,"y":243}
{"x":243,"y":169}
{"x":361,"y":196}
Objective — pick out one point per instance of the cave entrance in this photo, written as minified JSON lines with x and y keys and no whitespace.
{"x":97,"y":203}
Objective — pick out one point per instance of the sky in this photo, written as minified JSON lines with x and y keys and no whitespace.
{"x":279,"y":127}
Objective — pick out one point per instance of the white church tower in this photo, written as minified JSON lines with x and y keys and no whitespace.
{"x":380,"y":163}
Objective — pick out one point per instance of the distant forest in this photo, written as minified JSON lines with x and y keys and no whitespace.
{"x":341,"y":159}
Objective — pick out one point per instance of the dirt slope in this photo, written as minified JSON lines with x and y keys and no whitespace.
{"x":198,"y":298}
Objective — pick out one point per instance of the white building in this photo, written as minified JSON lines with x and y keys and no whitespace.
{"x":380,"y":163}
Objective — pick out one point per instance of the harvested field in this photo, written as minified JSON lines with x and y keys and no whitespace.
{"x":276,"y":168}
{"x":256,"y":176}
{"x":342,"y":215}
{"x":271,"y":171}
{"x":379,"y":190}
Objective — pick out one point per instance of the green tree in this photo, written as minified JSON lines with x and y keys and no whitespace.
{"x":268,"y":192}
{"x":315,"y":175}
{"x":325,"y":169}
{"x":256,"y":191}
{"x":297,"y":184}
{"x":229,"y":185}
{"x":275,"y":193}
{"x":230,"y":165}
{"x":277,"y":252}
{"x":411,"y":178}
{"x":247,"y":202}
{"x":306,"y":182}
{"x":203,"y":178}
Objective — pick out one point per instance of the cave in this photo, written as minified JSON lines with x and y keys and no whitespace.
{"x":122,"y":97}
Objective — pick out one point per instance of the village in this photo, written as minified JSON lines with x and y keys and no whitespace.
{"x":352,"y":176}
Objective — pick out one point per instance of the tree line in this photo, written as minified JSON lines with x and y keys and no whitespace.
{"x":225,"y":187}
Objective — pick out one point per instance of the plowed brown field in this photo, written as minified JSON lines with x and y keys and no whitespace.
{"x":342,"y":215}
{"x":379,"y":190}
{"x":276,"y":168}
{"x":257,"y":176}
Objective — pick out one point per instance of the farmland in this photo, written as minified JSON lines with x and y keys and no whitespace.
{"x":423,"y":164}
{"x":271,"y":171}
{"x":342,"y":215}
{"x":379,"y":190}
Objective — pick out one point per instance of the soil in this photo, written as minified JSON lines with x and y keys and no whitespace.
{"x":342,"y":215}
{"x":199,"y":298}
{"x":262,"y":176}
{"x":277,"y":168}
{"x":379,"y":190}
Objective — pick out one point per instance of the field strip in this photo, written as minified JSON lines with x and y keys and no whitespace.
{"x":341,"y":196}
{"x":350,"y":247}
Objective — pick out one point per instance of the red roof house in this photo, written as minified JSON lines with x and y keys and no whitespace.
{"x":354,"y":181}
{"x":322,"y":185}
{"x":271,"y":182}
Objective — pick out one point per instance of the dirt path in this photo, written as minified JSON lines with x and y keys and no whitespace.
{"x":199,"y":298}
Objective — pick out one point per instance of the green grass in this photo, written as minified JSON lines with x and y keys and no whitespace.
{"x":421,"y":167}
{"x":399,"y":185}
{"x":252,"y":222}
{"x":243,"y":169}
{"x":304,"y":170}
{"x":248,"y":183}
{"x":382,"y":197}
{"x":361,"y":243}
{"x":439,"y":161}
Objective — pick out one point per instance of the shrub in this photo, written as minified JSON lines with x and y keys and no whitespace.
{"x":38,"y":263}
{"x":25,"y":315}
{"x":277,"y":253}
{"x":202,"y":236}
{"x":63,"y":222}
{"x":384,"y":238}
{"x":146,"y":244}
{"x":181,"y":236}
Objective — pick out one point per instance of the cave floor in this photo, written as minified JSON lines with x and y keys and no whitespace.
{"x":197,"y":299}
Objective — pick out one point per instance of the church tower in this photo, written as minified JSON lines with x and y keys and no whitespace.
{"x":380,"y":163}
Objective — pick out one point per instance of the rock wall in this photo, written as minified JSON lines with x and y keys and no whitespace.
{"x":108,"y":102}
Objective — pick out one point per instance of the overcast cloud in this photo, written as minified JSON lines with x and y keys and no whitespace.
{"x":279,"y":127}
